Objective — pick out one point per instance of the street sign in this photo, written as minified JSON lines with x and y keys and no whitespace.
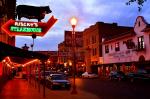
{"x":25,"y":28}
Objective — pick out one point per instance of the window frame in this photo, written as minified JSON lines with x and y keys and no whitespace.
{"x":117,"y":46}
{"x":141,"y":43}
{"x":106,"y":48}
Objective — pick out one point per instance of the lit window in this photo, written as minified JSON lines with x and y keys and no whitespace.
{"x":141,"y":44}
{"x":117,"y":47}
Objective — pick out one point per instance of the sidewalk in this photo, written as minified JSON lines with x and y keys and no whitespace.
{"x":21,"y":89}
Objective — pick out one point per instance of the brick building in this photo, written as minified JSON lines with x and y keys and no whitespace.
{"x":65,"y":50}
{"x":92,"y":42}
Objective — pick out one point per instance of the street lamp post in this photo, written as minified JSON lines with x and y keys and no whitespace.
{"x":33,"y":37}
{"x":73,"y":22}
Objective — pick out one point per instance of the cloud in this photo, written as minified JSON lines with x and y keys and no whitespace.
{"x":88,"y":13}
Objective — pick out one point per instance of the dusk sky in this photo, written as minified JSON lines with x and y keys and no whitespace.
{"x":88,"y":13}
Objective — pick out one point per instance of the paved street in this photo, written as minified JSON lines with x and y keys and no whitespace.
{"x":106,"y":89}
{"x":21,"y":89}
{"x":86,"y":88}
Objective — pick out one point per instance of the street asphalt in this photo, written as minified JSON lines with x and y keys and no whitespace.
{"x":22,"y":89}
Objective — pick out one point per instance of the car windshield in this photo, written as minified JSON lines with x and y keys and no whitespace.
{"x":58,"y":77}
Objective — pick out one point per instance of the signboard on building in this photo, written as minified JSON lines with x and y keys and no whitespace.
{"x":26,"y":28}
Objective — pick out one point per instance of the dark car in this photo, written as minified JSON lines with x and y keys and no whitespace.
{"x":47,"y":73}
{"x":140,"y":75}
{"x":58,"y":81}
{"x":117,"y":75}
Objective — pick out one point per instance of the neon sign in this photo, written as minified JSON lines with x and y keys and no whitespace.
{"x":26,"y":24}
{"x":25,"y":28}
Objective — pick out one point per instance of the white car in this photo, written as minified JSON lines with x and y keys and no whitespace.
{"x":89,"y":75}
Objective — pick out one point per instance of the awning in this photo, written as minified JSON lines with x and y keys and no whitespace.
{"x":11,"y":51}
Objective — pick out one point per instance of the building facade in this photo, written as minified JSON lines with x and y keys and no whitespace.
{"x":92,"y":42}
{"x":127,"y":51}
{"x":65,"y":50}
{"x":52,"y":62}
{"x":7,"y":10}
{"x":64,"y":54}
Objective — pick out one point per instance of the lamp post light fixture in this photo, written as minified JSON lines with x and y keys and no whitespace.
{"x":73,"y":22}
{"x":33,"y":37}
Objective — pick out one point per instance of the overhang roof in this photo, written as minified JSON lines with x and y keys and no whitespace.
{"x":11,"y":51}
{"x":120,"y":35}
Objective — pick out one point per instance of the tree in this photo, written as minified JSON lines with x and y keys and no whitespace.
{"x":139,"y":2}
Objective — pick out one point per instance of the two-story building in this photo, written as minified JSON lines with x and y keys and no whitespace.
{"x":127,"y":51}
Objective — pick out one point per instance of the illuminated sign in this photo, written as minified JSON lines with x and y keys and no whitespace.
{"x":26,"y":24}
{"x":26,"y":28}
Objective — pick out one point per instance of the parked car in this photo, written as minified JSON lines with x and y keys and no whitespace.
{"x":47,"y":73}
{"x":58,"y":81}
{"x":89,"y":75}
{"x":140,"y":75}
{"x":117,"y":75}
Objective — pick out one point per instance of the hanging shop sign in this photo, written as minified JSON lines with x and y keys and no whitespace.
{"x":25,"y":28}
